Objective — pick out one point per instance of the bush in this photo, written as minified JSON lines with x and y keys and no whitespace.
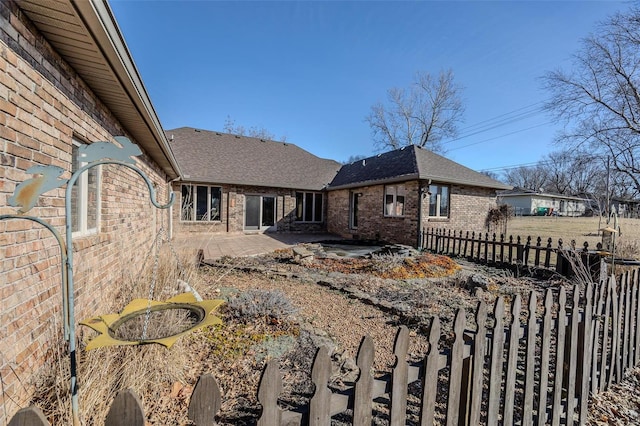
{"x":261,"y":303}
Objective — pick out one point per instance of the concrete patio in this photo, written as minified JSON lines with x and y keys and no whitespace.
{"x":215,"y":246}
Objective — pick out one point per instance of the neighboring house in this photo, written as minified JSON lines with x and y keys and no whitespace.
{"x":527,"y":202}
{"x":395,"y":195}
{"x":236,"y":183}
{"x":67,"y":79}
{"x":626,"y":207}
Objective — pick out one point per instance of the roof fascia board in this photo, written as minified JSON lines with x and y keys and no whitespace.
{"x":463,"y":182}
{"x":99,"y":19}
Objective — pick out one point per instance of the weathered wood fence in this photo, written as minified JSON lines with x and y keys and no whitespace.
{"x":509,"y":365}
{"x":502,"y":251}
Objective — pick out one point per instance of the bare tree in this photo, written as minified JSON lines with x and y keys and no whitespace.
{"x":532,"y":177}
{"x":230,"y":126}
{"x":600,"y":97}
{"x":424,"y":114}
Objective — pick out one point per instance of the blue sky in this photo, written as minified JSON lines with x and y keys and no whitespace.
{"x":312,"y":70}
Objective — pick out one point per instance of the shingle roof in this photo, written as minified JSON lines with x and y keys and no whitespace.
{"x":214,"y":157}
{"x":408,"y":163}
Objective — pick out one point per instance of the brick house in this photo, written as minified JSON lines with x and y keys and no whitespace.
{"x":67,"y":79}
{"x":528,"y":202}
{"x":393,"y":196}
{"x":234,"y":183}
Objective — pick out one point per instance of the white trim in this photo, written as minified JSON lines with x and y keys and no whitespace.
{"x":83,"y":199}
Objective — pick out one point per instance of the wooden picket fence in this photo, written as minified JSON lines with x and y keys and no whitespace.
{"x":510,"y":365}
{"x":502,"y":251}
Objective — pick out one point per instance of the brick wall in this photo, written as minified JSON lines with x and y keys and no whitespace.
{"x":372,"y":223}
{"x":43,"y":105}
{"x":233,"y":208}
{"x":468,"y":206}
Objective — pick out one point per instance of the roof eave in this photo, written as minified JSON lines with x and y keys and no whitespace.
{"x":434,"y":178}
{"x":100,"y":21}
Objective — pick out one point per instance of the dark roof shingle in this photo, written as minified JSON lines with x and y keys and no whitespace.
{"x":411,"y":162}
{"x":214,"y":157}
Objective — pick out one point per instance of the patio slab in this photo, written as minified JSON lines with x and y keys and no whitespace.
{"x":215,"y":246}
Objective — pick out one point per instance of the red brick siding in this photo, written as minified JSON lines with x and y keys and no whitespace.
{"x":372,"y":223}
{"x":468,"y":210}
{"x":43,"y":105}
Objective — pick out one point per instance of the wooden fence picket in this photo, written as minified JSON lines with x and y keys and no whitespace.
{"x":561,"y":327}
{"x":455,"y":372}
{"x":205,"y":401}
{"x":268,"y":392}
{"x":30,"y":416}
{"x":320,"y":405}
{"x":126,"y":409}
{"x":364,"y":385}
{"x":586,"y":351}
{"x":512,"y":361}
{"x":530,"y":361}
{"x":479,"y":347}
{"x":496,"y":362}
{"x":544,"y":358}
{"x":572,"y":366}
{"x":399,"y":378}
{"x":430,"y":376}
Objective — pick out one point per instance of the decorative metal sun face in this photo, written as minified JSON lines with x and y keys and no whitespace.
{"x":163,"y":322}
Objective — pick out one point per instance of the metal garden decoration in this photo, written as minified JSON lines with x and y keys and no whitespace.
{"x":112,"y":328}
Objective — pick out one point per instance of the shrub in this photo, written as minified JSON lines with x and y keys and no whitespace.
{"x":261,"y":303}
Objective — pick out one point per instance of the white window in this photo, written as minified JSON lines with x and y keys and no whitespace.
{"x":200,"y":203}
{"x":85,"y":196}
{"x":394,"y":200}
{"x":438,"y":201}
{"x":309,"y":206}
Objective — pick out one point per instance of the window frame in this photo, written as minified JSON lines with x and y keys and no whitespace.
{"x":303,"y":209}
{"x":395,"y":192}
{"x":194,"y":217}
{"x":82,"y":202}
{"x":435,"y":189}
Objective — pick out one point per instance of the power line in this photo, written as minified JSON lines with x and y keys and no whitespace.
{"x":499,"y":121}
{"x":501,"y":136}
{"x":538,"y":163}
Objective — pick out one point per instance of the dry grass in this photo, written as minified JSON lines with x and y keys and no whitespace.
{"x":580,"y":229}
{"x":152,"y":371}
